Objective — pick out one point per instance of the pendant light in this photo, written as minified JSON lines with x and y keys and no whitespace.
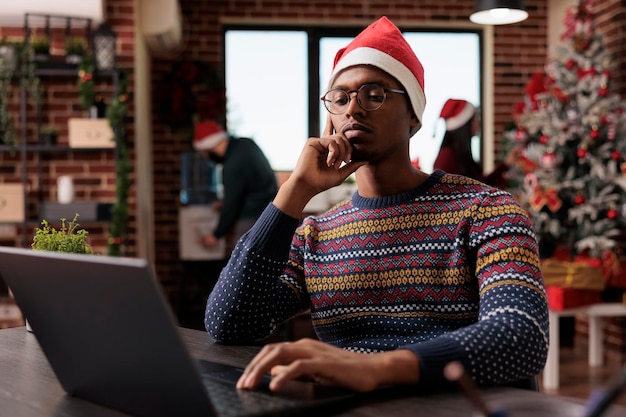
{"x":498,"y":12}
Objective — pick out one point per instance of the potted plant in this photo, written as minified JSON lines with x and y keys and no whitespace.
{"x":75,"y":50}
{"x":40,"y":46}
{"x":69,"y":238}
{"x":49,"y":135}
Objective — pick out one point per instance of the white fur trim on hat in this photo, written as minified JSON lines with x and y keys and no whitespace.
{"x":207,"y":134}
{"x":464,"y":116}
{"x":385,"y":62}
{"x":209,"y":142}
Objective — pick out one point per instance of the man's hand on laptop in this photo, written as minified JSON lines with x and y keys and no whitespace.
{"x":326,"y":364}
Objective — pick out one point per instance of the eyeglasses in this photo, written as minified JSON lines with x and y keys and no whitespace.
{"x":369,"y":96}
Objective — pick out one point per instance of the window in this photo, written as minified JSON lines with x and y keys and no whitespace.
{"x":275,"y":76}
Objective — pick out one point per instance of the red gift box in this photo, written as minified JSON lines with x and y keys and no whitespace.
{"x":560,"y":298}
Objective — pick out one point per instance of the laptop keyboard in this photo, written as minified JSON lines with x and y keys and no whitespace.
{"x":229,"y":401}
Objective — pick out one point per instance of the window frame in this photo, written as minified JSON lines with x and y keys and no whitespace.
{"x":316,"y":32}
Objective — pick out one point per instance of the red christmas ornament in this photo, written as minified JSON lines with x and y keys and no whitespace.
{"x":603,"y":91}
{"x":579,"y":199}
{"x":612,"y":214}
{"x":616,"y":156}
{"x":543,"y":139}
{"x":595,"y":133}
{"x":581,"y":153}
{"x":570,"y":64}
{"x":549,"y":160}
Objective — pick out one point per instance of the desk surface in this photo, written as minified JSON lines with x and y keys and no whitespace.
{"x":28,"y":387}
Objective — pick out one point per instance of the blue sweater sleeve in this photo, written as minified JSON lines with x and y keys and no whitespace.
{"x":252,"y":297}
{"x":510,"y":338}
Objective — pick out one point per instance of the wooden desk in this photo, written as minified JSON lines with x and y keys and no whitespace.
{"x":28,"y":387}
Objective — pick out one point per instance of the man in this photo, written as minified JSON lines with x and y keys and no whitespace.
{"x":412,"y":273}
{"x":249,"y":183}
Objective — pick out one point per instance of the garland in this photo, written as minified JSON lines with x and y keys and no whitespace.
{"x":119,"y":211}
{"x":24,"y":68}
{"x":85,"y":82}
{"x":115,"y":114}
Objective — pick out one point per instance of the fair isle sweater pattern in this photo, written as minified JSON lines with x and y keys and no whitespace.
{"x":449,"y":270}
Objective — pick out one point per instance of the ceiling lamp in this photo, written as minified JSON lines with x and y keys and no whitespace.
{"x":498,"y":12}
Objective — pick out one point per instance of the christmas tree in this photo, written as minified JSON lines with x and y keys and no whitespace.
{"x":572,"y":177}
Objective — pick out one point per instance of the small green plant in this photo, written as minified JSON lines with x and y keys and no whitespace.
{"x":49,"y":130}
{"x":49,"y":135}
{"x":40,"y":45}
{"x":75,"y":46}
{"x":67,"y":239}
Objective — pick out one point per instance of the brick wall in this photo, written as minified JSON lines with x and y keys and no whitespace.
{"x":609,"y":20}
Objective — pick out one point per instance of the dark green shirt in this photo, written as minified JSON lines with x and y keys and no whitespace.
{"x":249,"y":184}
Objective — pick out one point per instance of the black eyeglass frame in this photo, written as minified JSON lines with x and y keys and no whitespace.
{"x":349,"y":94}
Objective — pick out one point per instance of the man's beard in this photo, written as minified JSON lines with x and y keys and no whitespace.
{"x":218,"y":159}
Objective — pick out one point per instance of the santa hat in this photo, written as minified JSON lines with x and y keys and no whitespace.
{"x":207,"y":135}
{"x":382,"y":45}
{"x":456,"y":113}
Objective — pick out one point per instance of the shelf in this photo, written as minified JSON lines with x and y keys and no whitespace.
{"x":52,"y":149}
{"x":33,"y":147}
{"x":67,"y":70}
{"x":57,"y":67}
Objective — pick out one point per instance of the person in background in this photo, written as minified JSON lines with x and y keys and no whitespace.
{"x":413,"y":272}
{"x":249,"y":183}
{"x":455,"y":153}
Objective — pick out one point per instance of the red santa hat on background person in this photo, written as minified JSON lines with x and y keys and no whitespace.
{"x":456,"y":113}
{"x":382,"y":45}
{"x":207,"y":135}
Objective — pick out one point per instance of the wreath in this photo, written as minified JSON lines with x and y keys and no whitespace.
{"x":196,"y":92}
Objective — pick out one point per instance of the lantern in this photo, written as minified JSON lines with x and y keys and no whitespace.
{"x":104,"y":44}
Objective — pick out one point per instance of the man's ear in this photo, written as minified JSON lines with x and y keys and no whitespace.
{"x":414,"y":122}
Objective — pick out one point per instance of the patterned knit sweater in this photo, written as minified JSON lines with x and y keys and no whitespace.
{"x":449,"y":270}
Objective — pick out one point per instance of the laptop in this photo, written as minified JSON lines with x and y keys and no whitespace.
{"x":111,"y":338}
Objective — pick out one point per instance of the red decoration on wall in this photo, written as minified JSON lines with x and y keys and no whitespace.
{"x":196,"y":92}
